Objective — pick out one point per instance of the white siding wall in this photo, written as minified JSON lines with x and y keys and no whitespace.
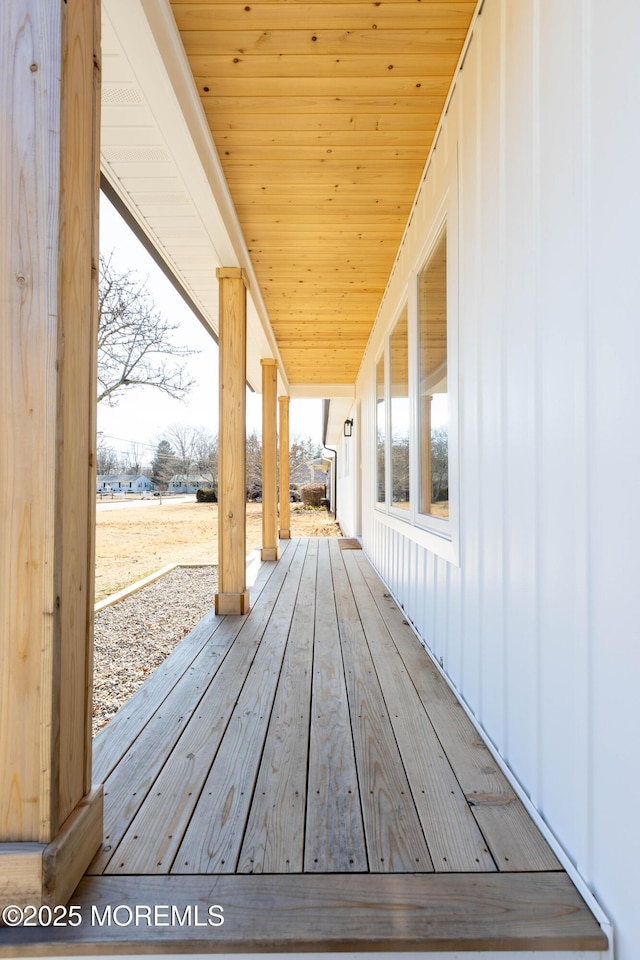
{"x":347,"y":467}
{"x":538,"y":625}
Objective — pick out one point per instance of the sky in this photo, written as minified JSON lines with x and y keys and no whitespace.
{"x":144,"y":412}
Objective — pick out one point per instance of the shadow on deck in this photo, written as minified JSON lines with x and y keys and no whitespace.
{"x":306,"y":768}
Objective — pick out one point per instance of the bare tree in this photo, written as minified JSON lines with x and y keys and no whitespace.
{"x":106,"y":457}
{"x":301,"y":453}
{"x":205,"y":455}
{"x":183,"y":440}
{"x":134,"y":339}
{"x":133,"y":459}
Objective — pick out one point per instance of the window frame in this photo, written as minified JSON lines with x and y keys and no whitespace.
{"x":403,"y":513}
{"x":381,"y":505}
{"x":440,"y":535}
{"x":443,"y":532}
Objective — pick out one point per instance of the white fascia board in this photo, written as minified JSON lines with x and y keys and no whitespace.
{"x":175,"y":100}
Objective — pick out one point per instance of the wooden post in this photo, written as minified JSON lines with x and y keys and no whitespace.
{"x":269,"y":460}
{"x":285,"y":509}
{"x":233,"y":596}
{"x":50,"y":818}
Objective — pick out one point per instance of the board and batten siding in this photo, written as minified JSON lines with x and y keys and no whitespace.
{"x":537,"y":625}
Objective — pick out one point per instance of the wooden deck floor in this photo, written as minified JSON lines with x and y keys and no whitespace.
{"x":306,"y":768}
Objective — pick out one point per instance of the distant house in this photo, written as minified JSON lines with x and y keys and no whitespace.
{"x":188,"y":483}
{"x":122,"y":483}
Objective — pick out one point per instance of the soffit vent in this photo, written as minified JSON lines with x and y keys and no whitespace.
{"x":121,"y":96}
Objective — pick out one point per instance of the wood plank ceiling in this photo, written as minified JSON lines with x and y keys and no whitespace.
{"x":323,"y":114}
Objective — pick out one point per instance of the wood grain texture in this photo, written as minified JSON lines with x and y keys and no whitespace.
{"x":327,"y":106}
{"x":512,"y":837}
{"x":213,"y":839}
{"x":274,"y":836}
{"x":232,"y":594}
{"x":428,"y":912}
{"x":453,"y":836}
{"x":114,"y":740}
{"x":395,"y":841}
{"x":64,"y":861}
{"x":284,"y":531}
{"x":156,"y":832}
{"x":29,"y":209}
{"x":77,"y":388}
{"x":269,"y":460}
{"x":313,"y":16}
{"x":21,"y":873}
{"x":303,"y":746}
{"x":129,"y":784}
{"x":335,"y":840}
{"x":47,"y":410}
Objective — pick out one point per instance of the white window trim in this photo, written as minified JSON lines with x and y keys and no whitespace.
{"x":436,"y":534}
{"x":441,"y":531}
{"x":379,"y":505}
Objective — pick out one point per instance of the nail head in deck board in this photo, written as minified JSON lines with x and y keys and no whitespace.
{"x":165,"y":815}
{"x":274,"y":837}
{"x":512,"y":836}
{"x":454,"y":838}
{"x":334,"y":830}
{"x":425,"y":912}
{"x":395,"y":841}
{"x":213,"y":839}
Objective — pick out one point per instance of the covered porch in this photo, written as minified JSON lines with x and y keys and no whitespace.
{"x":307,"y":769}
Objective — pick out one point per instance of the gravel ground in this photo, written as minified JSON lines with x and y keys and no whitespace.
{"x":135,"y":635}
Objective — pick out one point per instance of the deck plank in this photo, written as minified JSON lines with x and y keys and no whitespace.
{"x":513,"y":838}
{"x":128,"y":786}
{"x":274,"y":838}
{"x":454,"y":838}
{"x":395,"y":841}
{"x":334,"y":835}
{"x":304,"y":913}
{"x":154,"y":836}
{"x":214,"y":836}
{"x":112,"y":742}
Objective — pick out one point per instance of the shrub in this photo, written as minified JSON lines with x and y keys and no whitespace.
{"x":312,"y":494}
{"x":206,"y":496}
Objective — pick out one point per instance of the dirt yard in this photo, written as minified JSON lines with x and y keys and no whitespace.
{"x":134,"y":542}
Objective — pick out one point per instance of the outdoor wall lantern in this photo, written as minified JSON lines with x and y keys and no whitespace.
{"x":348,"y":428}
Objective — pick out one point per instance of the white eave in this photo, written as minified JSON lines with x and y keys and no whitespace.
{"x":159,"y":159}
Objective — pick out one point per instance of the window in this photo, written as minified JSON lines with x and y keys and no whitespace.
{"x":380,"y":432}
{"x":399,"y":390}
{"x":433,"y":397}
